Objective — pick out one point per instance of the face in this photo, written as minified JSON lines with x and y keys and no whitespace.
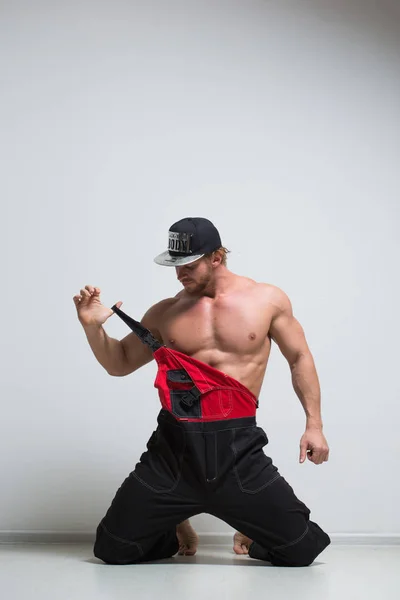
{"x":196,"y":276}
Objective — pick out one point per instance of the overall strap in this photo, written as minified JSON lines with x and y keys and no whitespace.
{"x":144,"y":334}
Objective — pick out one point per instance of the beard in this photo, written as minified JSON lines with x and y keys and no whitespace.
{"x":198,"y":287}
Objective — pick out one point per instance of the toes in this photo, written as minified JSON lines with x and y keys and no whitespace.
{"x":186,"y":551}
{"x":241,"y":549}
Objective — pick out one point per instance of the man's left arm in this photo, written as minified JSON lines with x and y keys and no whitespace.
{"x":287,"y":332}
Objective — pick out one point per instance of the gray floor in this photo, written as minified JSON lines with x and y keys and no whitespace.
{"x":69,"y":572}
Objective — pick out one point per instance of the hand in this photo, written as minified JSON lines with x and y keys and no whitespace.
{"x":314,"y":446}
{"x":89,"y":308}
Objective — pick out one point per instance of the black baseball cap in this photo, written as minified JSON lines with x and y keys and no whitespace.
{"x":188,"y":240}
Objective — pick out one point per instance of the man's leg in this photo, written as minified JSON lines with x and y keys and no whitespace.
{"x":137,"y":527}
{"x":258,"y":502}
{"x":141,"y":523}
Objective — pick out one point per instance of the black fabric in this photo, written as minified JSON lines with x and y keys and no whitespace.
{"x":178,"y":375}
{"x":184,"y":406}
{"x":216,"y":467}
{"x":137,"y":328}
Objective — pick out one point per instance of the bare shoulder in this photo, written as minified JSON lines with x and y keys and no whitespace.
{"x":156,"y":312}
{"x":266,"y":292}
{"x":265,"y":295}
{"x":275,"y":297}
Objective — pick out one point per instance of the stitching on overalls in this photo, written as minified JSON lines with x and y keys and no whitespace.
{"x":115,"y":537}
{"x":291,"y":543}
{"x":258,"y":489}
{"x":154,"y":489}
{"x":228,"y":410}
{"x":178,"y":478}
{"x":277,"y":476}
{"x":194,"y":366}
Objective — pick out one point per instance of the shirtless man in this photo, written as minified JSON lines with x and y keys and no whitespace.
{"x":226,"y":321}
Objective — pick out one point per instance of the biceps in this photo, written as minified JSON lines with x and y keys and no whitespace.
{"x":136,"y":353}
{"x":287,"y":332}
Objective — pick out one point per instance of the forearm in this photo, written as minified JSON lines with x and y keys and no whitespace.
{"x":108,"y":351}
{"x":306,"y":385}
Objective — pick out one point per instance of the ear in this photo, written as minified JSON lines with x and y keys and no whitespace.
{"x":216,"y":258}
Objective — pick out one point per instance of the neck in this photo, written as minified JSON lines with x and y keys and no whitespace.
{"x":220,"y":284}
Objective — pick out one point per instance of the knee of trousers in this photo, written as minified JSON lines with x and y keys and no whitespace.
{"x":114,"y":550}
{"x":305,"y":551}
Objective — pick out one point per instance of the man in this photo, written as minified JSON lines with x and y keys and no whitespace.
{"x":206,"y":454}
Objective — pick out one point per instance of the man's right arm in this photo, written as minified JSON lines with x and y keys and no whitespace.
{"x":122,"y":357}
{"x":136,"y":353}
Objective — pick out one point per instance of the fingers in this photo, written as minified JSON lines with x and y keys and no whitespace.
{"x":314,"y":447}
{"x":318,"y":456}
{"x":93,"y":290}
{"x":86,"y":293}
{"x":303,"y":451}
{"x":314,"y":457}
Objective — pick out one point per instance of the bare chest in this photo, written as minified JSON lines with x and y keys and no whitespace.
{"x":229,"y":325}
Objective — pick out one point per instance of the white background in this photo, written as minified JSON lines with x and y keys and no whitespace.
{"x":279,"y":121}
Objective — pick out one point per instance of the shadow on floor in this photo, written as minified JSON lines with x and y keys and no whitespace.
{"x":204,"y":558}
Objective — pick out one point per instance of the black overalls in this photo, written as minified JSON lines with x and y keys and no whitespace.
{"x":206,"y":456}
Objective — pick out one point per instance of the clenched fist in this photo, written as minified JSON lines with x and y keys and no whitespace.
{"x":314,"y":446}
{"x":89,"y":308}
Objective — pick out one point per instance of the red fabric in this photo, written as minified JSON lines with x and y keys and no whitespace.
{"x":222,"y":396}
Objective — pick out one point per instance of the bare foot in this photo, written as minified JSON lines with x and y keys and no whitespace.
{"x":241,"y":543}
{"x":188,"y":539}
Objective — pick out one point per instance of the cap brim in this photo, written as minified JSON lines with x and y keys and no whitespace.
{"x":167,"y":260}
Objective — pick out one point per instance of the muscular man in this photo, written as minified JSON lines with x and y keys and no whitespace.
{"x":203,"y":459}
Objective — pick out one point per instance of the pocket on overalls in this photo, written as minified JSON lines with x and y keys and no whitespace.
{"x":160,"y":467}
{"x":185,"y":397}
{"x":254,"y":470}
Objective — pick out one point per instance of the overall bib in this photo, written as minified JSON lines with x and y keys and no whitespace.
{"x":206,"y":456}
